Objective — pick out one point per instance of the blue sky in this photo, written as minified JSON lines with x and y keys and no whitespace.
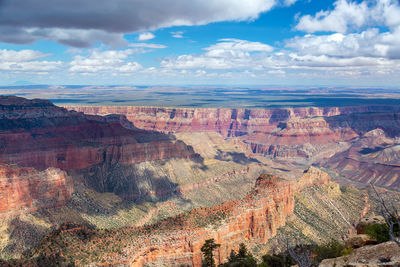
{"x":181,"y":42}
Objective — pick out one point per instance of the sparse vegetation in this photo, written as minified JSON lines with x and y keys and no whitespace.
{"x":392,"y":218}
{"x":379,"y":231}
{"x":241,"y":259}
{"x":208,"y":252}
{"x":333,"y":249}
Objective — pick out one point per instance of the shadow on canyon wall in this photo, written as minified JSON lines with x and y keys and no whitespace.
{"x":237,"y":157}
{"x":362,"y":123}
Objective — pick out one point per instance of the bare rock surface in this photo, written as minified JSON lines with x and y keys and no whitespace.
{"x":384,"y":254}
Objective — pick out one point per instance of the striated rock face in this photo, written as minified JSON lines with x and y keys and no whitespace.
{"x":290,"y":132}
{"x":302,"y":135}
{"x":373,"y":158}
{"x":255,"y":218}
{"x":38,"y":134}
{"x":26,"y":190}
{"x":177,"y":240}
{"x":228,"y":122}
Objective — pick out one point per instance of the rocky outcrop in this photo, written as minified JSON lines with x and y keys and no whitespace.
{"x":255,"y":218}
{"x":177,"y":240}
{"x":27,"y":190}
{"x":35,"y":133}
{"x":384,"y":254}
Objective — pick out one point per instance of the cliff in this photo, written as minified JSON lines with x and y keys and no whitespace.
{"x":177,"y":240}
{"x":373,"y":158}
{"x":27,"y":190}
{"x":232,"y":122}
{"x":300,"y":135}
{"x":35,"y":133}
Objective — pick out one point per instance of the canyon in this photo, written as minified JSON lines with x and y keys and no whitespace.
{"x":148,"y":185}
{"x":177,"y":240}
{"x":301,"y":135}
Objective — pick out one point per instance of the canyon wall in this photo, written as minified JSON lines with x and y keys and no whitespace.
{"x":228,"y":122}
{"x":177,"y":240}
{"x":27,"y":190}
{"x":254,"y":219}
{"x":38,"y":134}
{"x":302,"y":135}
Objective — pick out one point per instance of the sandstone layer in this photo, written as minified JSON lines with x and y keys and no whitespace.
{"x":35,"y":133}
{"x":177,"y":240}
{"x":301,"y":135}
{"x":27,"y":190}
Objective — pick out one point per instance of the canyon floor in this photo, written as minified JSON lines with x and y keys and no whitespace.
{"x":134,"y":185}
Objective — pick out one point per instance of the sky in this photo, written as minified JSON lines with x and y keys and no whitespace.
{"x":197,"y":42}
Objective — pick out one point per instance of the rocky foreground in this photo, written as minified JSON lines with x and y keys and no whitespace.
{"x":177,"y":240}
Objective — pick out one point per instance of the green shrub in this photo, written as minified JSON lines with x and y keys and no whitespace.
{"x":380,"y":232}
{"x":276,"y":261}
{"x":333,"y":249}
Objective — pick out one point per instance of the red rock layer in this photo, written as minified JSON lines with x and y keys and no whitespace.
{"x":374,"y":158}
{"x":35,"y":133}
{"x":290,"y":132}
{"x":255,"y":218}
{"x":228,"y":122}
{"x":26,"y":190}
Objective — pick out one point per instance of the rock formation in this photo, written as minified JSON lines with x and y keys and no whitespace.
{"x":373,"y":158}
{"x":384,"y":254}
{"x":177,"y":240}
{"x":297,"y":134}
{"x":26,"y":190}
{"x":38,"y":134}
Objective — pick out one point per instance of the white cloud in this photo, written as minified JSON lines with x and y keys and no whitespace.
{"x":146,"y":36}
{"x":369,"y":43}
{"x":347,"y":15}
{"x":111,"y":61}
{"x":21,"y":56}
{"x":178,"y":34}
{"x":226,"y":54}
{"x":344,"y":14}
{"x":26,"y":61}
{"x":278,"y":72}
{"x":289,"y":2}
{"x":147,"y":45}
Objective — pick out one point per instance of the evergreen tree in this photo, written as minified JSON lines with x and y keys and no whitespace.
{"x":207,"y":249}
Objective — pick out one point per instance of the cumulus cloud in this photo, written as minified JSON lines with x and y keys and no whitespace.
{"x":369,"y":43}
{"x":106,"y":21}
{"x":146,"y":36}
{"x":344,"y":14}
{"x":111,"y":61}
{"x":20,"y":56}
{"x":26,"y":61}
{"x":366,"y":39}
{"x":226,"y":54}
{"x":347,"y":15}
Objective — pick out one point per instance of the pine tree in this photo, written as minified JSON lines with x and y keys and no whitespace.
{"x":207,"y":249}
